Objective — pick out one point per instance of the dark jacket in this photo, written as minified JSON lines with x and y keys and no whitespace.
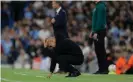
{"x":66,"y":47}
{"x":60,"y":26}
{"x":46,"y":52}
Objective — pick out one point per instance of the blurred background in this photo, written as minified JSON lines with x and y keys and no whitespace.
{"x":25,"y":23}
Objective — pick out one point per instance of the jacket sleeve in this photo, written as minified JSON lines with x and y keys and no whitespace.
{"x":93,"y":21}
{"x":53,"y":64}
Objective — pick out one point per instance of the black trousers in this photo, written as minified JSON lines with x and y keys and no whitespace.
{"x":66,"y":62}
{"x":100,"y":51}
{"x":69,"y":53}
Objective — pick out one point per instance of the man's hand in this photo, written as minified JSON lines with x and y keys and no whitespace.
{"x":95,"y":36}
{"x":53,"y":20}
{"x":49,"y":76}
{"x":90,"y":36}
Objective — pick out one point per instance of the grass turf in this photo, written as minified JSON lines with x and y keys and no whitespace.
{"x":22,"y":75}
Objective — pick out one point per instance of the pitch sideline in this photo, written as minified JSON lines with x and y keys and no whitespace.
{"x":7,"y":80}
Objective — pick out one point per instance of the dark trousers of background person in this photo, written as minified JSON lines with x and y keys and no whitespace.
{"x":129,"y":71}
{"x":69,"y":54}
{"x":100,"y":51}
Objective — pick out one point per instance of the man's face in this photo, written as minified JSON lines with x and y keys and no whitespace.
{"x":50,"y":42}
{"x":54,"y":5}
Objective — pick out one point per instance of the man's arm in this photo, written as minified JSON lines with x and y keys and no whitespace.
{"x":52,"y":67}
{"x":53,"y":64}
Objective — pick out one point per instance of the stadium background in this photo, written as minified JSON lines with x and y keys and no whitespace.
{"x":24,"y":23}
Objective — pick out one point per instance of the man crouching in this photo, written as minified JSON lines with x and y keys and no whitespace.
{"x":66,"y":54}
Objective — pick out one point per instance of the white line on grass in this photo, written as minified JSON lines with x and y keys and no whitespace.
{"x":130,"y":77}
{"x":20,"y":73}
{"x":27,"y":74}
{"x":7,"y":80}
{"x":40,"y":76}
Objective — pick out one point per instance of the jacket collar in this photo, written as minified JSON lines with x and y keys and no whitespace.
{"x":58,"y":10}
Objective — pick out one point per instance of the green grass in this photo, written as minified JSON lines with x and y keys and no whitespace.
{"x":22,"y":75}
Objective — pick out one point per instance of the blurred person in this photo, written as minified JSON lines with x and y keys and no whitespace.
{"x":114,"y":32}
{"x":129,"y":69}
{"x":122,"y":32}
{"x":6,"y":44}
{"x":86,"y":50}
{"x":39,"y":18}
{"x":20,"y":30}
{"x":44,"y":33}
{"x":130,"y":61}
{"x":131,"y":43}
{"x":122,"y":42}
{"x":36,"y":62}
{"x":3,"y":57}
{"x":31,"y":50}
{"x":80,"y":16}
{"x":34,"y":32}
{"x":37,"y":5}
{"x":50,"y":12}
{"x":28,"y":14}
{"x":14,"y":53}
{"x":121,"y":65}
{"x":22,"y":59}
{"x":17,"y":9}
{"x":110,"y":56}
{"x":47,"y":23}
{"x":67,"y":53}
{"x":92,"y":62}
{"x":98,"y":34}
{"x":38,"y":59}
{"x":124,"y":65}
{"x":6,"y":16}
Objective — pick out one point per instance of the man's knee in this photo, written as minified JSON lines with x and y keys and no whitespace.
{"x":61,"y":59}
